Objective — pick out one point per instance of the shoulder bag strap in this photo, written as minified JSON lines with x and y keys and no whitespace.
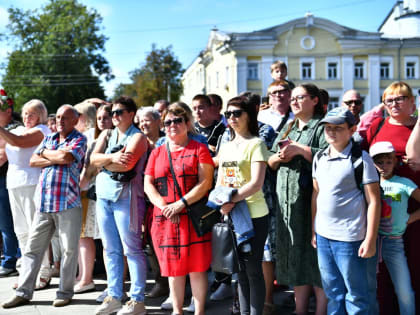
{"x":178,"y":189}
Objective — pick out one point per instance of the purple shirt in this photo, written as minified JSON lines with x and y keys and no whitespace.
{"x":58,"y":188}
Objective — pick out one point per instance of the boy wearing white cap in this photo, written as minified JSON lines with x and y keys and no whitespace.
{"x":345,"y":218}
{"x":394,"y":219}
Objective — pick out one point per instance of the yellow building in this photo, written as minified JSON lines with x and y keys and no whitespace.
{"x":316,"y":50}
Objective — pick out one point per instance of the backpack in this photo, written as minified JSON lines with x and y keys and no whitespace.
{"x":356,"y":160}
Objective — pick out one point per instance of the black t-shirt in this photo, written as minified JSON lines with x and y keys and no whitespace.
{"x":212,"y":132}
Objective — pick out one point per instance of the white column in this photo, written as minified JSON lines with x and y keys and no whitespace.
{"x":241,"y":74}
{"x":374,"y":81}
{"x":347,"y":74}
{"x":266,"y":79}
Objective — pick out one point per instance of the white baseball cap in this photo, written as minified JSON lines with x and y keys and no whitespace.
{"x":381,"y":147}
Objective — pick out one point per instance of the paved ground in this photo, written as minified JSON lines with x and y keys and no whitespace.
{"x":85,"y":303}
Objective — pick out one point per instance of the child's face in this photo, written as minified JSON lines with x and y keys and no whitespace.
{"x":338,"y":135}
{"x":279,"y":74}
{"x":385,"y":164}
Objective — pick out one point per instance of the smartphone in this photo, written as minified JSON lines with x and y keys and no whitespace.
{"x":264,"y":100}
{"x":283,"y":143}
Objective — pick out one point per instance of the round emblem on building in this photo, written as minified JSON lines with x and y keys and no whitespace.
{"x":307,"y":42}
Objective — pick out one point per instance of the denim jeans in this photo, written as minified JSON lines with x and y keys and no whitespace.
{"x":393,"y":255}
{"x":10,"y":242}
{"x":113,"y":220}
{"x":344,"y":276}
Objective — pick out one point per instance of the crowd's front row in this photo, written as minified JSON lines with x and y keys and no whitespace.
{"x":316,"y":161}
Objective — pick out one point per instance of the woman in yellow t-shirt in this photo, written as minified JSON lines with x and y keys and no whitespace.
{"x":242,"y":164}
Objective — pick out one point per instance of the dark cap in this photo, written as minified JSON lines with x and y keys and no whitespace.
{"x":338,"y":116}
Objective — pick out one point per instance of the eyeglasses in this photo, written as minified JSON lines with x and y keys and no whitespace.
{"x":278,"y":92}
{"x":298,"y":98}
{"x":176,"y":121}
{"x":118,"y":112}
{"x":397,"y":100}
{"x":236,"y":113}
{"x":355,"y":102}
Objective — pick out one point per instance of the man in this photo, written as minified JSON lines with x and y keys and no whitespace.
{"x":205,"y":124}
{"x":61,"y":157}
{"x":10,"y":242}
{"x":279,"y":113}
{"x":161,"y":106}
{"x":353,"y":101}
{"x":216,"y":107}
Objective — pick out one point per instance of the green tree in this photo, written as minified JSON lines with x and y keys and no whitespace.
{"x":158,"y":78}
{"x":57,"y":54}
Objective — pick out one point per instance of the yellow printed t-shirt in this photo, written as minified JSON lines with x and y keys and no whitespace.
{"x":235,"y":161}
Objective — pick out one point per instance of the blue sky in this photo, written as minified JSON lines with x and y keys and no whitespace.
{"x":133,"y":25}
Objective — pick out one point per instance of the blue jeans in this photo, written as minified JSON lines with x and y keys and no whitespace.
{"x":394,"y":257}
{"x":10,"y":242}
{"x":113,"y":220}
{"x":344,"y":276}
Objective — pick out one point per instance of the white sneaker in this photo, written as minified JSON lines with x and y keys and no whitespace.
{"x":191,"y":308}
{"x":133,"y":307}
{"x":167,"y":304}
{"x":224,"y":291}
{"x":109,"y":306}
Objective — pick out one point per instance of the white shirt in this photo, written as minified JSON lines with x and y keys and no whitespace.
{"x":273,"y":118}
{"x":19,"y":173}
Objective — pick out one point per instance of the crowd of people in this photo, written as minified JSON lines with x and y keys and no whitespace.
{"x":331,"y":199}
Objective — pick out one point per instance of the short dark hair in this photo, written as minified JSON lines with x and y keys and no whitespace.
{"x":127,"y":102}
{"x":325,"y":96}
{"x":248,"y":103}
{"x":216,"y":100}
{"x":203,"y":98}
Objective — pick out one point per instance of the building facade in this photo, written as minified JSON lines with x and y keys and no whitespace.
{"x":316,"y":50}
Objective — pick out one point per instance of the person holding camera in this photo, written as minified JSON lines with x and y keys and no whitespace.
{"x":120,"y":206}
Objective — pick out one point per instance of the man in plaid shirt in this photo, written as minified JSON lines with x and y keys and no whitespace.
{"x":61,"y":157}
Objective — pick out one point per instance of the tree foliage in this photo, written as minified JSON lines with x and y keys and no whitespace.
{"x":158,"y":78}
{"x":57,"y":54}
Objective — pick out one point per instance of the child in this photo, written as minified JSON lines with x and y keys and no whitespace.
{"x":345,"y":219}
{"x":279,"y":73}
{"x":393,"y":223}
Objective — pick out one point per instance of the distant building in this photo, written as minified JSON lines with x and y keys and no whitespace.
{"x":316,"y":50}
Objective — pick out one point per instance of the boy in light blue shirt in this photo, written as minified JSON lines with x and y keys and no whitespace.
{"x":394,"y":219}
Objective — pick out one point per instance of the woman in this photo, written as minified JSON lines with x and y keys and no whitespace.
{"x":296,"y":261}
{"x":22,"y":179}
{"x":178,"y":248}
{"x":399,"y":102}
{"x":91,"y":123}
{"x":120,"y":206}
{"x":149,"y":124}
{"x":242,"y":165}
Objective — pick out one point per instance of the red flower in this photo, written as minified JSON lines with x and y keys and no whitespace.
{"x":3,"y":92}
{"x":9,"y":101}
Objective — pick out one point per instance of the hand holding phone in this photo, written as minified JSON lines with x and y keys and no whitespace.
{"x":283,"y":143}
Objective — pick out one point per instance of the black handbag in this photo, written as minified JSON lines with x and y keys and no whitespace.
{"x":91,"y":193}
{"x":202,"y":217}
{"x":224,"y":249}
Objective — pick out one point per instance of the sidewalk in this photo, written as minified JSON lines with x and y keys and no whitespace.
{"x":85,"y":303}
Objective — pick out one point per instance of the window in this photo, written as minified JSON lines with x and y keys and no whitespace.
{"x":253,"y":71}
{"x":209,"y":83}
{"x":359,"y":73}
{"x":410,"y":70}
{"x":217,"y":79}
{"x":333,"y":103}
{"x":227,"y":75}
{"x":384,"y":71}
{"x":332,"y":71}
{"x":306,"y":71}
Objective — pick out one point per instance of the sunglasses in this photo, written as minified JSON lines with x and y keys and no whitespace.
{"x":118,"y":112}
{"x":236,"y":113}
{"x":355,"y":102}
{"x":176,"y":121}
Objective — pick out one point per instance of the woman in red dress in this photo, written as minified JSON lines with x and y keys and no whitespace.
{"x":178,"y":248}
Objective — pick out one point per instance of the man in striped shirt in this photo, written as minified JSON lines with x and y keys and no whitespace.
{"x":61,"y":157}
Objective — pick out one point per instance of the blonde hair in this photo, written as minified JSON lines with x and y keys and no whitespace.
{"x":39,"y":107}
{"x":278,"y":64}
{"x":89,"y":110}
{"x":398,"y":87}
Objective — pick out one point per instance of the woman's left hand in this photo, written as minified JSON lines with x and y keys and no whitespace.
{"x":290,"y":151}
{"x":227,"y":207}
{"x":172,"y":209}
